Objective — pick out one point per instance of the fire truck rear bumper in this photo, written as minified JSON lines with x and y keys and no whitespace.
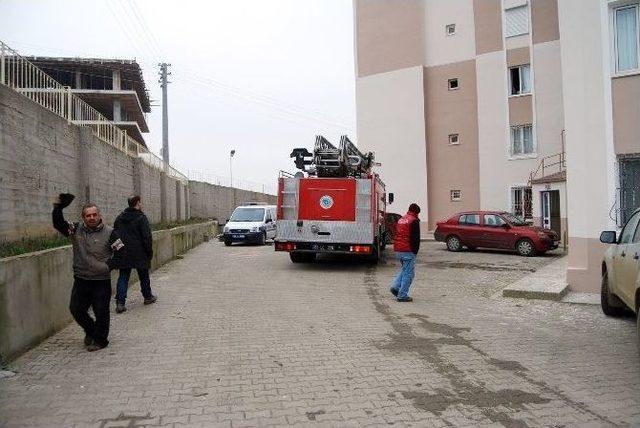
{"x":322,"y":247}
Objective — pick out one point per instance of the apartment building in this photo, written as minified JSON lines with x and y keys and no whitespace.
{"x":505,"y":105}
{"x":114,"y":87}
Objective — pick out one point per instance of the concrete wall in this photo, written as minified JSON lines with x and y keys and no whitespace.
{"x":218,"y":202}
{"x":35,"y":288}
{"x":42,"y":155}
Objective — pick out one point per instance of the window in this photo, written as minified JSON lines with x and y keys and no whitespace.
{"x":626,"y":38}
{"x":453,"y":139}
{"x":516,"y":21}
{"x":453,"y":84}
{"x":629,"y":230}
{"x":469,"y":219}
{"x":520,"y":80}
{"x":493,"y":220}
{"x":521,"y":140}
{"x":451,"y":29}
{"x":521,"y":202}
{"x":456,"y":195}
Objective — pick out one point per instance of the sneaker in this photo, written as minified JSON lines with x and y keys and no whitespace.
{"x":394,"y":291}
{"x":406,"y":299}
{"x":94,"y":347}
{"x":120,"y":308}
{"x":88,"y":340}
{"x":150,"y":300}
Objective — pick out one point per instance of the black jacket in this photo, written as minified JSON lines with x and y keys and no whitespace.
{"x":133,"y":228}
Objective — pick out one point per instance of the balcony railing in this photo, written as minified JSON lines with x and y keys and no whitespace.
{"x":549,"y":165}
{"x":25,"y":78}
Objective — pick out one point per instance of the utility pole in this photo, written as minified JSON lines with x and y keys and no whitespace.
{"x":165,"y":110}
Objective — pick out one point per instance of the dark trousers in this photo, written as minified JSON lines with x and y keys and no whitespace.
{"x":97,"y":295}
{"x":123,"y":284}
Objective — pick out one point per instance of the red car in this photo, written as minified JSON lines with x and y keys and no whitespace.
{"x":492,"y":229}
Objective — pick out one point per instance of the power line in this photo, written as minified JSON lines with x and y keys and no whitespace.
{"x":140,"y":17}
{"x":279,"y":106}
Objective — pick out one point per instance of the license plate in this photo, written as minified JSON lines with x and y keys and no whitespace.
{"x":237,"y":236}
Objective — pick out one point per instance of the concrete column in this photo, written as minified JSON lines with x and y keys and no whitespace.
{"x":138,"y":179}
{"x":117,"y":111}
{"x":164,"y":200}
{"x":116,"y":80}
{"x":78,"y":80}
{"x":87,"y":166}
{"x":591,"y":182}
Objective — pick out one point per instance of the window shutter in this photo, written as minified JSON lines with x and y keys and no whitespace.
{"x":517,"y":21}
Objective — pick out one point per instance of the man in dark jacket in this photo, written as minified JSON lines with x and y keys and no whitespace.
{"x":133,"y":227}
{"x":406,"y":245}
{"x":93,"y":246}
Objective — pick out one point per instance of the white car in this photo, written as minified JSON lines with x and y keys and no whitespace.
{"x":250,"y":223}
{"x":621,"y":271}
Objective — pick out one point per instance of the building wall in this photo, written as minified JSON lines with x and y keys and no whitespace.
{"x":451,"y":167}
{"x":41,"y":155}
{"x":440,"y":48}
{"x":626,"y":114}
{"x":388,"y":35}
{"x":391,"y":123}
{"x":589,"y":136}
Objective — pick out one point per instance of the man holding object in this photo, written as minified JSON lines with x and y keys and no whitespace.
{"x":93,"y":246}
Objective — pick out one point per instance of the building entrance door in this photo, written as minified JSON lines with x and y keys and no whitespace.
{"x":551,"y":210}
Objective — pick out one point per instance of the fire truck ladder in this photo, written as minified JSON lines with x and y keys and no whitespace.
{"x":328,"y":160}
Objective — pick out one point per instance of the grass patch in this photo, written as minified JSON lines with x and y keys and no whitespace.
{"x":28,"y":245}
{"x":172,"y":224}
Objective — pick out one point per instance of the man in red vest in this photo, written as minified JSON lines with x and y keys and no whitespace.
{"x":406,"y":245}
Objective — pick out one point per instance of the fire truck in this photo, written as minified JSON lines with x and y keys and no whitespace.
{"x":335,"y":204}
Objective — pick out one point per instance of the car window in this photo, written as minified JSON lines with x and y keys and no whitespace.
{"x":493,"y":220}
{"x":470,"y":219}
{"x":630,"y":229}
{"x":248,"y":214}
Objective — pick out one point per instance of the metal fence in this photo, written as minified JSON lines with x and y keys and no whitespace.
{"x":24,"y":77}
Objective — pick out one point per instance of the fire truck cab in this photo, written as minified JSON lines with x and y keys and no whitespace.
{"x":335,"y":204}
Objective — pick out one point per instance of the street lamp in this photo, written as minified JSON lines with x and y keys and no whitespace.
{"x":231,"y":153}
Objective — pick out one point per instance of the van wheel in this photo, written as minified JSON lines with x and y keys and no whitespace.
{"x":453,"y":243}
{"x":227,"y":242}
{"x":611,"y":305}
{"x":263,"y":239}
{"x":525,"y":247}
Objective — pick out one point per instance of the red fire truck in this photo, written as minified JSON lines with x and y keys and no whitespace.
{"x":335,"y":204}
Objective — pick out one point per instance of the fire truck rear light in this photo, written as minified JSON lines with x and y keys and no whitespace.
{"x":285,"y":246}
{"x":360,"y":249}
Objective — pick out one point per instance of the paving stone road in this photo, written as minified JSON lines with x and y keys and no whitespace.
{"x":242,"y":337}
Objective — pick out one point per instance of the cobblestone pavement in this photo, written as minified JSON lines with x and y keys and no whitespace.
{"x":241,"y":337}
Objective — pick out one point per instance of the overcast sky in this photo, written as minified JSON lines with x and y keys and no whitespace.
{"x":257,"y":76}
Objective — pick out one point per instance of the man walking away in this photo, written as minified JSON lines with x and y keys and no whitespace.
{"x":93,"y":247}
{"x":133,"y":227}
{"x":406,"y":246}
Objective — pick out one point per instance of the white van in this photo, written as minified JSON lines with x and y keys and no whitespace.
{"x":251,"y":223}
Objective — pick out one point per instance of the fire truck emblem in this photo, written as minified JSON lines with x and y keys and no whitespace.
{"x":326,"y":202}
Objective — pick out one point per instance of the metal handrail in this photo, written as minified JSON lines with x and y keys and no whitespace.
{"x":30,"y":81}
{"x":545,"y":164}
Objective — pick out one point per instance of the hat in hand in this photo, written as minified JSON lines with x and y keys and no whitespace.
{"x":65,"y":199}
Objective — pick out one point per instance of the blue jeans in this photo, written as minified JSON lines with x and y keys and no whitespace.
{"x":123,"y":284}
{"x":403,"y":280}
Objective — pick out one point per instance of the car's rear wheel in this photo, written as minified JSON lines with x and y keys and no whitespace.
{"x":453,"y":243}
{"x":611,"y":305}
{"x":525,"y":247}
